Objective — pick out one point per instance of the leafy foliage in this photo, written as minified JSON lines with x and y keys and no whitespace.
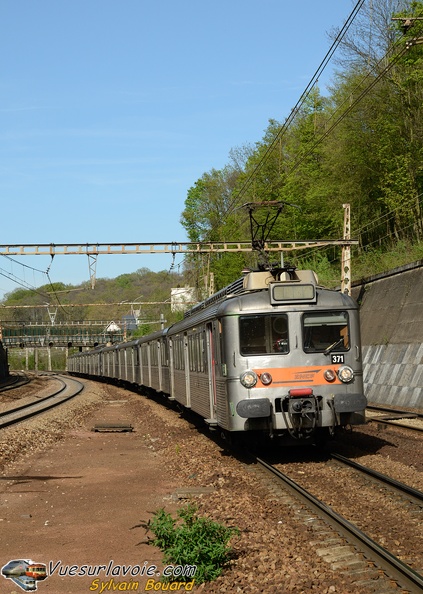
{"x":192,"y":540}
{"x":121,"y":297}
{"x":362,"y":145}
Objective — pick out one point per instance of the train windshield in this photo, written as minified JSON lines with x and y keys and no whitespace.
{"x":263,"y":335}
{"x":324,"y":332}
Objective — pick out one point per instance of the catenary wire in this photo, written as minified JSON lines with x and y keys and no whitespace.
{"x":300,"y":101}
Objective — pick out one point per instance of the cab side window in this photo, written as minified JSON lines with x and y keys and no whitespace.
{"x":326,"y":330}
{"x":263,"y":334}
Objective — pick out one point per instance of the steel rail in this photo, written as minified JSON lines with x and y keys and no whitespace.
{"x":38,"y":401}
{"x":394,"y":567}
{"x":395,"y":411}
{"x":402,"y":487}
{"x":69,"y":389}
{"x":13,"y":382}
{"x":382,"y":421}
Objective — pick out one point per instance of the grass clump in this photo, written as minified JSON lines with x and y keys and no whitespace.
{"x":192,"y":540}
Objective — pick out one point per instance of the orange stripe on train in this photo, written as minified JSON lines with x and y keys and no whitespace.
{"x":298,"y":375}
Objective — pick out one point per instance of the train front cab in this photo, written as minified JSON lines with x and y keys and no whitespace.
{"x":37,"y":571}
{"x":280,"y":380}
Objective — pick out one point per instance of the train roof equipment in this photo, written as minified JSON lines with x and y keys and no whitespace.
{"x":286,"y":285}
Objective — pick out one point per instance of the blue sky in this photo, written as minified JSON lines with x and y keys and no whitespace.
{"x":111,"y":110}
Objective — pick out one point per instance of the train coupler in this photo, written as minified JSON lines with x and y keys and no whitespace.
{"x":301,"y":401}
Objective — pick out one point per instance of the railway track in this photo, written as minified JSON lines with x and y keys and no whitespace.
{"x":414,"y":494}
{"x":395,"y":411}
{"x":355,"y":545}
{"x":14,"y":381}
{"x":69,"y":388}
{"x":393,"y":418}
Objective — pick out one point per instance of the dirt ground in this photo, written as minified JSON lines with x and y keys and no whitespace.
{"x":82,"y":503}
{"x":71,"y":497}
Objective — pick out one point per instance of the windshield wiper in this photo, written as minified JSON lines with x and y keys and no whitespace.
{"x":333,"y":346}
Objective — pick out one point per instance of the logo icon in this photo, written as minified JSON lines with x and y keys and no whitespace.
{"x":25,"y":573}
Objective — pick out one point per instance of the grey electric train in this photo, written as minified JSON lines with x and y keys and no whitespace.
{"x":273,"y":353}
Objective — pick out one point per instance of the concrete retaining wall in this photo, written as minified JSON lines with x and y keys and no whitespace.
{"x":392,"y":336}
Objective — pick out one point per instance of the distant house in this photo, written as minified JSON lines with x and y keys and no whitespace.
{"x":129,"y":322}
{"x":182,"y":298}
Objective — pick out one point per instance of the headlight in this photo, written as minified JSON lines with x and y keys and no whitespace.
{"x":266,"y":378}
{"x":346,"y":374}
{"x":248,"y":379}
{"x":329,"y":375}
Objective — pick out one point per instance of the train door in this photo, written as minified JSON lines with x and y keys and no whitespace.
{"x":125,"y":364}
{"x":187,"y":370}
{"x":149,"y":346}
{"x":211,"y":366}
{"x":171,"y":370}
{"x":141,"y":361}
{"x":159,"y":365}
{"x":133,"y":363}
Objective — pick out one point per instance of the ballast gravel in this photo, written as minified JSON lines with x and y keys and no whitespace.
{"x":275,"y":550}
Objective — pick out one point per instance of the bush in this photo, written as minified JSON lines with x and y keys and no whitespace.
{"x":192,"y":540}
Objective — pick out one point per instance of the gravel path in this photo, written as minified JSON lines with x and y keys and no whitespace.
{"x":80,"y":497}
